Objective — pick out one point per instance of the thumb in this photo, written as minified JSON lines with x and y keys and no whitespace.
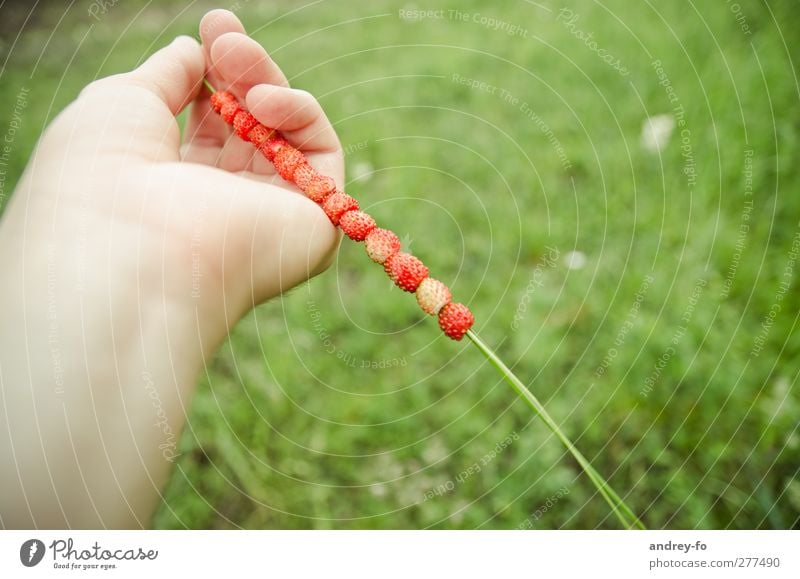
{"x":174,"y":74}
{"x":135,"y":111}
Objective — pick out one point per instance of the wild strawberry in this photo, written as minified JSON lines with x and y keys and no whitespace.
{"x":242,"y":123}
{"x":455,"y":320}
{"x":433,"y":295}
{"x":303,"y":175}
{"x":228,"y":110}
{"x":259,"y":134}
{"x":356,"y":224}
{"x":320,"y":188}
{"x":271,"y":146}
{"x":381,"y":244}
{"x":286,"y":161}
{"x":219,"y":98}
{"x":406,"y":271}
{"x":337,"y":205}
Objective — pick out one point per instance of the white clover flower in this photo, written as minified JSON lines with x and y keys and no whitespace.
{"x":575,"y":260}
{"x":656,"y":132}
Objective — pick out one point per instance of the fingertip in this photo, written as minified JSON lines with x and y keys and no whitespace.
{"x":218,"y":21}
{"x":185,"y":39}
{"x":174,"y":73}
{"x":191,"y":49}
{"x":258,"y":94}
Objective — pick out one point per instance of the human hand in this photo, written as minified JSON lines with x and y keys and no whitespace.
{"x":115,"y":152}
{"x":130,"y":255}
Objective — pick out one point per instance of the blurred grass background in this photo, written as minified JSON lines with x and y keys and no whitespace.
{"x":340,"y":406}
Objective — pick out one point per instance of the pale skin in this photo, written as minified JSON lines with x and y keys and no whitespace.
{"x":127,"y":256}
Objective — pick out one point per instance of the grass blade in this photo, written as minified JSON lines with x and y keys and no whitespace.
{"x":621,"y":510}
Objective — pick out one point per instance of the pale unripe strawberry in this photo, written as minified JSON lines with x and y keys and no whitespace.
{"x":381,"y":244}
{"x":433,"y":295}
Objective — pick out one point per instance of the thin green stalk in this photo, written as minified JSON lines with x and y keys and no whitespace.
{"x":208,"y":85}
{"x":621,"y":510}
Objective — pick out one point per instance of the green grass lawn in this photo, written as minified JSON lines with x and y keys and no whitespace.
{"x":340,"y":405}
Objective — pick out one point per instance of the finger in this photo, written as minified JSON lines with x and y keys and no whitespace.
{"x":174,"y":73}
{"x":143,"y":103}
{"x":213,"y":25}
{"x":205,"y":132}
{"x":241,"y":63}
{"x":297,"y":114}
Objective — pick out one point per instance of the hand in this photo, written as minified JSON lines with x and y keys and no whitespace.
{"x":130,"y":256}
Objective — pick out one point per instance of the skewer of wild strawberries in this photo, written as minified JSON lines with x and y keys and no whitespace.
{"x":382,"y":245}
{"x":407,"y":271}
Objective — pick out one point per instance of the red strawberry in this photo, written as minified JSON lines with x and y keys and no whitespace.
{"x":259,"y":134}
{"x":455,"y":320}
{"x":337,"y":205}
{"x":219,"y":98}
{"x":433,"y":295}
{"x":271,"y":146}
{"x":320,"y":188}
{"x":286,"y":161}
{"x":356,"y":224}
{"x":303,"y":175}
{"x":381,"y":244}
{"x":228,"y":110}
{"x":243,"y":122}
{"x":406,"y":271}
